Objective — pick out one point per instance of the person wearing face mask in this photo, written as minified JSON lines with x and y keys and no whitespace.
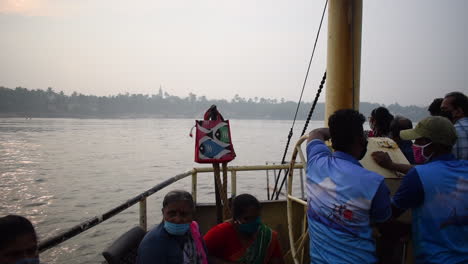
{"x":437,"y":193}
{"x":18,"y":241}
{"x":177,"y":239}
{"x":244,"y":238}
{"x":344,"y":199}
{"x":455,"y":107}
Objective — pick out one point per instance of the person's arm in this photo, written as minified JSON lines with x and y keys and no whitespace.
{"x":410,"y":194}
{"x":381,"y":209}
{"x":319,"y":133}
{"x":384,"y":160}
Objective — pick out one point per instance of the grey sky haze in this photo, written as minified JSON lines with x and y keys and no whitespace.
{"x":412,"y":51}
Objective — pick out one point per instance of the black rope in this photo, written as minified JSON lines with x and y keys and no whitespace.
{"x":299,"y":103}
{"x":312,"y":108}
{"x":317,"y":95}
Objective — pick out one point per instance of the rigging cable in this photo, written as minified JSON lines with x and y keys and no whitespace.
{"x":298,"y":104}
{"x":305,"y":127}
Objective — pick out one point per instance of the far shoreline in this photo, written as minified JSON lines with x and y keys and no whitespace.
{"x":77,"y":116}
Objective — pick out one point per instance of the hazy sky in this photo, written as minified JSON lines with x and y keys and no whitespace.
{"x":412,"y":51}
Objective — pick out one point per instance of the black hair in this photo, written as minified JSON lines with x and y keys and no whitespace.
{"x":459,"y":100}
{"x":241,"y":203}
{"x":345,"y":128}
{"x":434,"y":107}
{"x":399,"y":123}
{"x":382,"y":118}
{"x":178,"y":195}
{"x":12,"y":226}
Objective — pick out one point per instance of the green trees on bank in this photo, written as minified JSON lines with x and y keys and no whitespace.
{"x":22,"y":102}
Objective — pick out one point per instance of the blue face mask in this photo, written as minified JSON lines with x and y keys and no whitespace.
{"x":250,"y":227}
{"x":28,"y":261}
{"x":176,"y":229}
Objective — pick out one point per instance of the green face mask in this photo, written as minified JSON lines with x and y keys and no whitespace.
{"x":250,"y":227}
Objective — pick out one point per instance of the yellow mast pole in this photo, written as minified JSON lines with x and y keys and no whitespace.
{"x":343,"y":55}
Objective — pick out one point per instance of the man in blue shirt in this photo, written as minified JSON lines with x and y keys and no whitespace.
{"x":437,"y":193}
{"x":344,"y":198}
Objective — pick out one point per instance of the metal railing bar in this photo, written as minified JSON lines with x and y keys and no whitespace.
{"x":80,"y":228}
{"x":88,"y":224}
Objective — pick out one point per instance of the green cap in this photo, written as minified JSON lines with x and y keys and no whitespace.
{"x":436,"y":128}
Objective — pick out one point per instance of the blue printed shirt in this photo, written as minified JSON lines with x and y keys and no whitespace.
{"x":438,"y":194}
{"x":343,"y":200}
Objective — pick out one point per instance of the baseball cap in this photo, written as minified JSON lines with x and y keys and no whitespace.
{"x":436,"y":128}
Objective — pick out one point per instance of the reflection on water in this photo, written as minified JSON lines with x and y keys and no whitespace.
{"x":59,"y":172}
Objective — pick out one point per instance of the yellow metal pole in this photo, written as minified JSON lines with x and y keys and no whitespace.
{"x":343,"y":55}
{"x":233,"y":183}
{"x":143,"y":216}
{"x":194,"y":186}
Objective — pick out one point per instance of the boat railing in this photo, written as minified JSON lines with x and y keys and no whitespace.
{"x":141,"y":200}
{"x":277,"y":174}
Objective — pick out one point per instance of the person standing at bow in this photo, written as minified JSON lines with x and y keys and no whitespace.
{"x":344,"y":199}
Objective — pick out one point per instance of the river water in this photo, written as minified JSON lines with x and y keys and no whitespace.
{"x":60,"y":172}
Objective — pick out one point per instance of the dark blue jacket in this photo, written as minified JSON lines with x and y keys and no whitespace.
{"x":158,"y":246}
{"x":406,"y":148}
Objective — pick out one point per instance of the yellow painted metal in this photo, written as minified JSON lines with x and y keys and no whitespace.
{"x":233,"y":183}
{"x":143,"y":215}
{"x":343,"y":55}
{"x":301,"y":155}
{"x":297,"y":200}
{"x":248,"y":168}
{"x":194,"y":186}
{"x":296,"y":256}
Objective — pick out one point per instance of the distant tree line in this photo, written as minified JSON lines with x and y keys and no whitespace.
{"x":22,"y":102}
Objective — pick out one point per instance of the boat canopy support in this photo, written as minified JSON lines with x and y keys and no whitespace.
{"x":343,"y":55}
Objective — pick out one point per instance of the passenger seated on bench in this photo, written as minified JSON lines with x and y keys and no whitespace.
{"x":177,"y":239}
{"x":243,"y":239}
{"x":18,"y":241}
